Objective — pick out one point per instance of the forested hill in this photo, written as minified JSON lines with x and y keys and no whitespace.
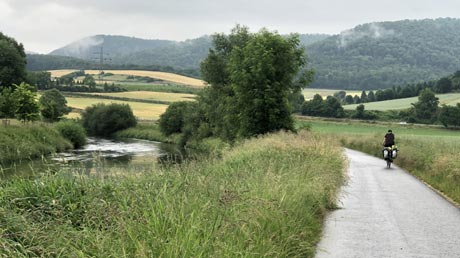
{"x":385,"y":54}
{"x":369,"y":56}
{"x":121,"y":50}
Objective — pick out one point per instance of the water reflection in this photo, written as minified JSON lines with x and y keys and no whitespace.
{"x":98,"y":156}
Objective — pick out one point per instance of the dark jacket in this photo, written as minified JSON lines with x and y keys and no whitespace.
{"x":389,"y":140}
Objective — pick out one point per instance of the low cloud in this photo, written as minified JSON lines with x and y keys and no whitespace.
{"x":372,"y":30}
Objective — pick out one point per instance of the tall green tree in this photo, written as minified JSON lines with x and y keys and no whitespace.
{"x":12,"y":62}
{"x":449,"y":116}
{"x":26,"y":106}
{"x":426,"y":107}
{"x":53,"y":105}
{"x":7,"y":103}
{"x":263,"y":74}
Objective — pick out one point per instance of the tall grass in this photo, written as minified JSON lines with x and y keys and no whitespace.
{"x":22,"y":142}
{"x":264,"y":198}
{"x":434,"y":159}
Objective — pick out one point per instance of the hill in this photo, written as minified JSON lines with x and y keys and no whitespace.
{"x":385,"y":54}
{"x":370,"y":56}
{"x":121,"y":50}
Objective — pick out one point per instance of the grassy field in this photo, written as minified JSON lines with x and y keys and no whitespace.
{"x":447,"y":99}
{"x":430,"y":153}
{"x":156,"y":75}
{"x":150,"y":95}
{"x":143,"y":111}
{"x":308,"y":93}
{"x":266,"y":197}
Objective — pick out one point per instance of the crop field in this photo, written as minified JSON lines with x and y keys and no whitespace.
{"x":308,"y":93}
{"x":143,"y":111}
{"x":153,"y":74}
{"x":395,"y":104}
{"x":149,"y":95}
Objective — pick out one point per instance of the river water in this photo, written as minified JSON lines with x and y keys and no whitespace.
{"x":98,"y":156}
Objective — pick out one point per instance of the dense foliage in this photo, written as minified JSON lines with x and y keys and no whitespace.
{"x":172,"y":120}
{"x":104,"y":120}
{"x":72,"y":131}
{"x":12,"y":62}
{"x":24,"y":101}
{"x":53,"y":105}
{"x":384,"y":54}
{"x":330,"y":107}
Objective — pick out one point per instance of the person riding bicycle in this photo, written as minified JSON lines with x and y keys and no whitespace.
{"x":389,"y":139}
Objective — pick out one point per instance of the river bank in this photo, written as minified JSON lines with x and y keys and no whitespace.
{"x":30,"y":141}
{"x":265,"y":197}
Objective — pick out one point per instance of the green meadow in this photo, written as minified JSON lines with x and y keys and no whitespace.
{"x":396,"y":104}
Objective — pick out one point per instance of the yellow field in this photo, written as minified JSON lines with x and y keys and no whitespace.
{"x":150,"y":95}
{"x":157,"y":75}
{"x":310,"y":92}
{"x":59,"y":73}
{"x":143,"y":111}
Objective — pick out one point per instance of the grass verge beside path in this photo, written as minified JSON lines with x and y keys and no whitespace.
{"x":430,"y":153}
{"x":264,"y":198}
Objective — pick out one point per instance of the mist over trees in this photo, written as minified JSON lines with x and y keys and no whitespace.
{"x":369,"y":56}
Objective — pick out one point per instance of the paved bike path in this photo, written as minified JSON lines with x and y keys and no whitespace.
{"x":389,"y":213}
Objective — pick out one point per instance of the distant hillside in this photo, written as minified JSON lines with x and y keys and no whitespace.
{"x":121,"y":50}
{"x":385,"y":54}
{"x":369,"y":56}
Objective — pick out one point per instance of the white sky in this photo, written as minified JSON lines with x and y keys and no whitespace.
{"x":44,"y":25}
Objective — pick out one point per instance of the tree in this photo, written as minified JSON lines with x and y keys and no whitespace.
{"x":7,"y":103}
{"x":251,"y":77}
{"x":262,"y":75}
{"x":427,"y":106}
{"x":12,"y":62}
{"x":364,"y":96}
{"x":333,"y":108}
{"x":449,"y":116}
{"x":444,"y":85}
{"x":41,"y":79}
{"x":89,"y":80}
{"x":53,"y":105}
{"x":104,"y":120}
{"x":26,"y":106}
{"x":348,"y":99}
{"x":371,"y":96}
{"x":172,"y":120}
{"x":314,"y":107}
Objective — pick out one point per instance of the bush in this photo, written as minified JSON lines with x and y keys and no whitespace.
{"x":172,"y":120}
{"x":72,"y":131}
{"x":104,"y":120}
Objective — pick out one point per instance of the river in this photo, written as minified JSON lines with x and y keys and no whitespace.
{"x":98,"y":156}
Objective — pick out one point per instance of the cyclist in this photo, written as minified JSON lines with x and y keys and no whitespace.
{"x":389,"y":139}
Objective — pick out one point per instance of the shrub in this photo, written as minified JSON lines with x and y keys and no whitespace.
{"x":72,"y":131}
{"x":104,"y":120}
{"x":172,"y":120}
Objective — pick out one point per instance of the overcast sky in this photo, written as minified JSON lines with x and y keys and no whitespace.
{"x":44,"y":25}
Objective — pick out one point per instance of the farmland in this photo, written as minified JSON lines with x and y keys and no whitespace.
{"x":396,"y":104}
{"x":143,"y":111}
{"x":148,"y":95}
{"x":170,"y":77}
{"x":308,"y":93}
